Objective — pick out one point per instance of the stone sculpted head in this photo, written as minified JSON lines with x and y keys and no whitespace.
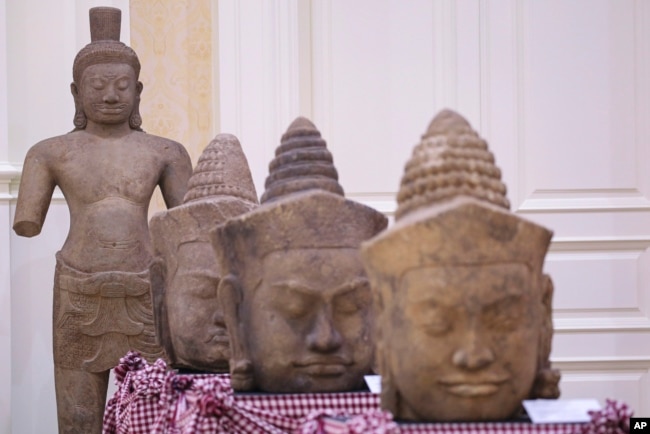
{"x":295,"y":295}
{"x":106,"y":62}
{"x":463,"y":308}
{"x":188,"y":316}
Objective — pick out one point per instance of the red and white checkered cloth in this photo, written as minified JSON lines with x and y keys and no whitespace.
{"x":154,"y":400}
{"x":297,"y":405}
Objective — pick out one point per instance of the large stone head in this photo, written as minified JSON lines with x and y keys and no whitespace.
{"x":295,"y":295}
{"x":188,"y":316}
{"x":463,"y":308}
{"x":105,"y":75}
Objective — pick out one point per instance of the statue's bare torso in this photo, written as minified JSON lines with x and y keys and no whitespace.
{"x":107,"y":183}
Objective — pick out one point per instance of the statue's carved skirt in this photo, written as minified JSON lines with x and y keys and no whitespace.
{"x":99,"y":317}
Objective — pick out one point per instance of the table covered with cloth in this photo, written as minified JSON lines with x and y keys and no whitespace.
{"x":152,"y":399}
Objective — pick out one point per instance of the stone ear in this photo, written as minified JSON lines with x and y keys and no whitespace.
{"x":157,"y":273}
{"x":229,"y":294}
{"x":79,"y":119}
{"x":547,"y":379}
{"x":389,"y":396}
{"x":135,"y":120}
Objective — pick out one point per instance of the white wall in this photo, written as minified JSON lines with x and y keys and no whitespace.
{"x":38,"y":42}
{"x":559,"y":88}
{"x":6,"y":173}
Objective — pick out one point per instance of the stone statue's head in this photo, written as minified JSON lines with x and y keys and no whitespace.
{"x":188,"y":316}
{"x":463,"y":308}
{"x":106,"y":61}
{"x":295,"y":295}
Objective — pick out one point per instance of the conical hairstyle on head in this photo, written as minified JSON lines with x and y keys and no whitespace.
{"x":452,"y":209}
{"x":105,"y":45}
{"x":303,"y":206}
{"x":451,"y":160}
{"x":222,"y":170}
{"x":221,"y":187}
{"x":302,"y":162}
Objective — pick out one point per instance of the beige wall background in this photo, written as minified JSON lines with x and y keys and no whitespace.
{"x":174,"y":41}
{"x":559,"y":88}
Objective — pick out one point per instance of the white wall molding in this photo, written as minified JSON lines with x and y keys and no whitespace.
{"x":612,"y":321}
{"x":445,"y":43}
{"x":10,"y":179}
{"x":637,"y":243}
{"x":385,"y":203}
{"x":322,"y":81}
{"x":601,"y":363}
{"x":7,"y":173}
{"x":621,"y":378}
{"x":259,"y":74}
{"x":9,"y":176}
{"x":585,"y":200}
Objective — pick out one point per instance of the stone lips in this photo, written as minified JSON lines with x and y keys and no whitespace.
{"x":301,"y":162}
{"x":451,"y":160}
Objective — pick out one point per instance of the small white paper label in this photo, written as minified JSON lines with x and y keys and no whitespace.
{"x":560,"y":410}
{"x":373,"y":382}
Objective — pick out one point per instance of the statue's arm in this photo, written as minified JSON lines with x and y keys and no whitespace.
{"x":177,"y":171}
{"x":34,"y":194}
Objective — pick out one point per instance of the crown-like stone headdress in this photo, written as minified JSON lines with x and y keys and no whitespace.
{"x":222,"y":171}
{"x":301,"y":162}
{"x":303,"y":205}
{"x":221,"y":187}
{"x":452,"y":208}
{"x":105,"y":45}
{"x":451,"y":160}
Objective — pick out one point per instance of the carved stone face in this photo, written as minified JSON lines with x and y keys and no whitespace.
{"x":108,"y":92}
{"x":463,"y":341}
{"x":198,"y":333}
{"x":307,"y":322}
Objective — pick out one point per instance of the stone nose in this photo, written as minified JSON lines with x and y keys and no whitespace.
{"x":472,"y":354}
{"x":324,"y":336}
{"x":111,"y":97}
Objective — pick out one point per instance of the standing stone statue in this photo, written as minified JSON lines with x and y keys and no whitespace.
{"x":107,"y":169}
{"x":189,"y":319}
{"x":295,"y":296}
{"x":464,"y":323}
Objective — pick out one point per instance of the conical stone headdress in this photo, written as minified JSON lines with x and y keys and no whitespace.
{"x":452,"y":208}
{"x":302,"y":162}
{"x":105,"y":45}
{"x":221,"y":187}
{"x":222,"y":170}
{"x":451,"y":160}
{"x":303,"y":206}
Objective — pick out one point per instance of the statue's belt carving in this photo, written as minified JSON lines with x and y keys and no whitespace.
{"x":107,"y":284}
{"x":98,"y":317}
